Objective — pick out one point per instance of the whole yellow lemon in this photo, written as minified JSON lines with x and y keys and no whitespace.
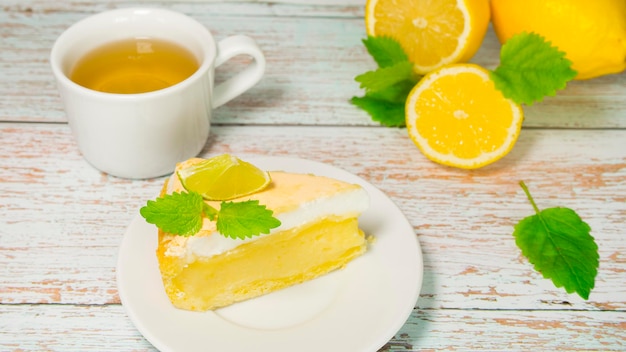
{"x":592,"y":33}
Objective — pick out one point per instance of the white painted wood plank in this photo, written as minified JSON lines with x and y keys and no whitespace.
{"x":487,"y":330}
{"x":62,"y":221}
{"x":225,"y":5}
{"x":107,"y":328}
{"x":313,"y":53}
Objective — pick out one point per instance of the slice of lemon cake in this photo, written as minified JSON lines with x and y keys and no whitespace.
{"x":318,"y":233}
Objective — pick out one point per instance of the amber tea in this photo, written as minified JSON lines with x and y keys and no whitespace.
{"x":135,"y":65}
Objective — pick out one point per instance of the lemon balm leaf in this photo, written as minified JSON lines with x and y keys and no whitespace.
{"x":557,"y":242}
{"x":385,"y":77}
{"x":531,"y":68}
{"x":387,"y":87}
{"x":176,"y":213}
{"x":396,"y":93}
{"x":385,"y":51}
{"x":559,"y":245}
{"x":182,"y":214}
{"x":240,"y":220}
{"x":386,"y":94}
{"x":387,"y":113}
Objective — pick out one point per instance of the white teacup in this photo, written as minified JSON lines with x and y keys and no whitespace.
{"x":144,"y":135}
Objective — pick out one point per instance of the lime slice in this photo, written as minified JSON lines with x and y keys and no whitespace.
{"x":223,"y":177}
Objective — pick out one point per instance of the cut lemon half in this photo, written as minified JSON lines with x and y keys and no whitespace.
{"x":457,"y":117}
{"x":433,"y":33}
{"x":223,"y":177}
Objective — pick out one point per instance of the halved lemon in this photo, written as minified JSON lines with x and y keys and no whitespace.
{"x":457,"y":117}
{"x":223,"y":177}
{"x":433,"y":33}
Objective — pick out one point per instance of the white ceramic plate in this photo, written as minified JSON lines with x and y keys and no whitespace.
{"x":359,"y":308}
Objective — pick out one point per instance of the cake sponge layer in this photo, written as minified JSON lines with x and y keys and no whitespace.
{"x":259,"y":267}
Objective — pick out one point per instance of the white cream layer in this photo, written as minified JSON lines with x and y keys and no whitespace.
{"x":344,"y":204}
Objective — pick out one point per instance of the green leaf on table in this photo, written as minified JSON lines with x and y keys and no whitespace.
{"x":396,"y":93}
{"x":385,"y":51}
{"x":386,"y":77}
{"x":245,"y":219}
{"x":387,"y":87}
{"x":387,"y":113}
{"x":559,"y":245}
{"x":531,"y":68}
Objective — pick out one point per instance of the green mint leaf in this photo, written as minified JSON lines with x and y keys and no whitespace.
{"x":387,"y":113}
{"x":385,"y":77}
{"x":176,"y":213}
{"x":245,"y":219}
{"x":387,"y":106}
{"x":530,"y":69}
{"x":385,"y":51}
{"x":386,"y":88}
{"x":559,"y":245}
{"x":394,"y":94}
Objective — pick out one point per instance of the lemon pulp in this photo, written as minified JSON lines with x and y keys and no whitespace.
{"x":433,"y":32}
{"x":457,"y":117}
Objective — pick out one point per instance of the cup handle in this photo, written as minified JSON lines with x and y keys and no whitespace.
{"x":227,"y":49}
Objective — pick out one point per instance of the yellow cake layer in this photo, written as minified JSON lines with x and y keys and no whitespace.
{"x":259,"y":267}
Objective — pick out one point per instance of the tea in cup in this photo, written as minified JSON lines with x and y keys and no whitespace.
{"x":134,"y":65}
{"x":138,"y":87}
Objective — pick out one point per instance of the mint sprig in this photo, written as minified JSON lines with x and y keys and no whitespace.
{"x":385,"y":77}
{"x":531,"y":68}
{"x":387,"y":87}
{"x":559,"y":245}
{"x":245,"y":219}
{"x":182,"y":214}
{"x":177,"y":213}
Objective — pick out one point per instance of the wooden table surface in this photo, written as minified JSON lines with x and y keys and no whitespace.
{"x":61,"y":221}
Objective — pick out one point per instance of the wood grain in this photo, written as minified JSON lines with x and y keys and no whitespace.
{"x":61,"y":221}
{"x":38,"y":329}
{"x":464,"y":230}
{"x":307,"y":47}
